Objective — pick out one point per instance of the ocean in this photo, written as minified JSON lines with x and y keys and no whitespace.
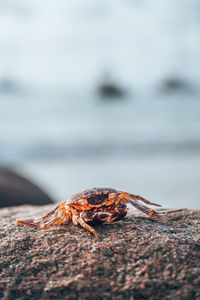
{"x":57,"y":128}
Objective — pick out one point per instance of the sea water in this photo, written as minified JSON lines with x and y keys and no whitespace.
{"x":56,"y":128}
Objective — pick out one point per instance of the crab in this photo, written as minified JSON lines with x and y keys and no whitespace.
{"x":96,"y":205}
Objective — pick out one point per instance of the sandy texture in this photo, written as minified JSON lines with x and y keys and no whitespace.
{"x":136,"y":258}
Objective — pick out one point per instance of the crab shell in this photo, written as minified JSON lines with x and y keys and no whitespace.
{"x":93,"y":198}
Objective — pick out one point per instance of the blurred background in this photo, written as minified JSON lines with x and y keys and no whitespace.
{"x":102,"y":93}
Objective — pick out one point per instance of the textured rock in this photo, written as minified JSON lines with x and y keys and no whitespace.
{"x":136,"y":258}
{"x":17,"y":190}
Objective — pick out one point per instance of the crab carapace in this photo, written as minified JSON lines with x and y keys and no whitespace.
{"x":96,"y":205}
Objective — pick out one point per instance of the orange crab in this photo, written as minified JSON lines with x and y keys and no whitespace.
{"x":96,"y":205}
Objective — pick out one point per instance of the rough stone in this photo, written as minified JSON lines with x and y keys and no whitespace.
{"x":135,"y":258}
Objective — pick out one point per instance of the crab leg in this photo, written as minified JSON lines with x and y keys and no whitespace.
{"x":49,"y":214}
{"x":41,"y":226}
{"x":138,"y":198}
{"x":87,"y":226}
{"x":148,"y":211}
{"x":151,"y":212}
{"x":47,"y":220}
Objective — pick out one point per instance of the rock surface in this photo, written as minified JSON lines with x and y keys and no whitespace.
{"x":136,"y":258}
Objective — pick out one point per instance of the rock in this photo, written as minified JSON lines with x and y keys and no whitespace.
{"x":110,"y":90}
{"x":17,"y":190}
{"x":136,"y":258}
{"x":9,"y":86}
{"x":176,"y":84}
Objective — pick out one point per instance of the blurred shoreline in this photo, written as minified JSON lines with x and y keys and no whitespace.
{"x":73,"y":127}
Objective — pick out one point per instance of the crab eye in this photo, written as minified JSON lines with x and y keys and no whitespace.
{"x":82,"y":202}
{"x":112,"y":195}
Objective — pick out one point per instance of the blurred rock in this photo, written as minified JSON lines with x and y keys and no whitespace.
{"x":175,"y":84}
{"x":109,"y":89}
{"x":8,"y":86}
{"x":17,"y":190}
{"x":136,"y":258}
